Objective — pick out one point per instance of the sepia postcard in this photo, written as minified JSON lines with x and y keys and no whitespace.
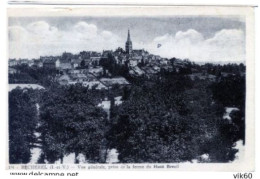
{"x":131,"y":88}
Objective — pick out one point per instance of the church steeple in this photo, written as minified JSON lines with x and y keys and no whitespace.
{"x":128,"y":36}
{"x":128,"y":44}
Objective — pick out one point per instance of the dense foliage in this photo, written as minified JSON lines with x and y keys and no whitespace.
{"x":172,"y":120}
{"x":230,"y":91}
{"x":168,"y":118}
{"x":22,"y":125}
{"x":72,"y":122}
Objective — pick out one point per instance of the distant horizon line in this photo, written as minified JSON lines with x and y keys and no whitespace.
{"x":198,"y":62}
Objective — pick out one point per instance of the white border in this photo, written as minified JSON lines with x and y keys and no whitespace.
{"x":131,"y":174}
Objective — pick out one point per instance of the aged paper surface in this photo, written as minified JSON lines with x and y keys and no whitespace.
{"x":131,"y":88}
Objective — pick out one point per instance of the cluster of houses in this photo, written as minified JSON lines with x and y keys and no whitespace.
{"x":92,"y":78}
{"x":66,"y":61}
{"x":85,"y":67}
{"x":139,"y":62}
{"x":150,"y":64}
{"x":135,"y":57}
{"x":91,"y":60}
{"x":80,"y":68}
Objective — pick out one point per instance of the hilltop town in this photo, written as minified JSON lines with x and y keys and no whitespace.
{"x":89,"y":67}
{"x":102,"y":70}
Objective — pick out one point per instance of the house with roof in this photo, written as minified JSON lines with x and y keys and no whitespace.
{"x":81,"y":77}
{"x":140,"y":52}
{"x":38,"y":63}
{"x":109,"y":82}
{"x":95,"y":60}
{"x":52,"y":63}
{"x":97,"y":71}
{"x":94,"y":84}
{"x":65,"y":65}
{"x":133,"y":62}
{"x":75,"y":62}
{"x":136,"y":71}
{"x":87,"y":80}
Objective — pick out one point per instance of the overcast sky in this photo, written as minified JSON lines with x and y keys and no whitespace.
{"x":199,"y":38}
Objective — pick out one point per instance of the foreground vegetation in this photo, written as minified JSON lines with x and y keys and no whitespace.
{"x":169,"y":118}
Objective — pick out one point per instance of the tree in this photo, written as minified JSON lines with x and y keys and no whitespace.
{"x":22,"y":125}
{"x":72,"y":122}
{"x":82,"y":63}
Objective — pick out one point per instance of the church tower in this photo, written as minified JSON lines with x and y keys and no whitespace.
{"x":128,"y":44}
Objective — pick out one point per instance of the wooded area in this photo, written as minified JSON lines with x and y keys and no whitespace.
{"x":170,"y":118}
